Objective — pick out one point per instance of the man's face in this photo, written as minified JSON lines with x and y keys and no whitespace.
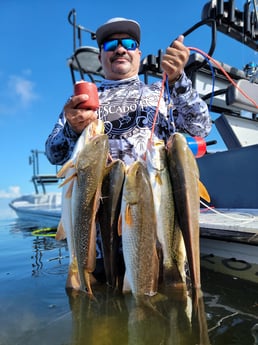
{"x":120,"y":63}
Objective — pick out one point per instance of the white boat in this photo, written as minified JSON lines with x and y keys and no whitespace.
{"x":41,"y":208}
{"x":229,"y":229}
{"x":229,"y":240}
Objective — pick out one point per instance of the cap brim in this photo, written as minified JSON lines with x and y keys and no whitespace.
{"x":124,"y":27}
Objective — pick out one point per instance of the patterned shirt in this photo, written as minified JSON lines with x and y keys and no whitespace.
{"x":128,"y":108}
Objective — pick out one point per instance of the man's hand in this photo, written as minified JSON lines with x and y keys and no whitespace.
{"x":175,"y":59}
{"x":78,"y":118}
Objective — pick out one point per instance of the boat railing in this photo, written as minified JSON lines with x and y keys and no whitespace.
{"x":221,"y":86}
{"x":41,"y":180}
{"x":84,"y":59}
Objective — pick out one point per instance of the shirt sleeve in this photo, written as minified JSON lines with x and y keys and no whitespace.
{"x":60,"y":143}
{"x":191,"y":114}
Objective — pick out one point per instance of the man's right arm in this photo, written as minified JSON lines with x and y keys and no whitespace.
{"x":60,"y":143}
{"x":72,"y":121}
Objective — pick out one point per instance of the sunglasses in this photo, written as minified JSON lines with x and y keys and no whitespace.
{"x":127,"y":43}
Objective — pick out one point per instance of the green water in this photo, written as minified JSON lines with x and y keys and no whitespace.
{"x":36,"y":309}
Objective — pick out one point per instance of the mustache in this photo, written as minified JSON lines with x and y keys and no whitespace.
{"x":117,"y":56}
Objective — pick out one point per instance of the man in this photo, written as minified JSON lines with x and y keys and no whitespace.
{"x":127,"y":105}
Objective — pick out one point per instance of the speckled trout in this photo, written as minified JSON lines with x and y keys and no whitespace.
{"x":69,"y":189}
{"x":168,"y":231}
{"x":184,"y":175}
{"x":138,"y":224}
{"x":90,"y":167}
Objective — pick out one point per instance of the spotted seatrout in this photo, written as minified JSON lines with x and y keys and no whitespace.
{"x":90,"y":167}
{"x":66,"y":228}
{"x":168,"y":232}
{"x":138,"y":224}
{"x":185,"y":183}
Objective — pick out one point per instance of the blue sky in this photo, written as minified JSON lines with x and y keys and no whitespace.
{"x":35,"y":81}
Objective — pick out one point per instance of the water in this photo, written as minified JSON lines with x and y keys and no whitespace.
{"x":35,"y":308}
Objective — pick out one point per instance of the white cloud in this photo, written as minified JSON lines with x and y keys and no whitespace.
{"x":17,"y":92}
{"x":22,"y":88}
{"x":11,"y":192}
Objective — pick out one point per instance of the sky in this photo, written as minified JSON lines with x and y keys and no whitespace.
{"x":35,"y":81}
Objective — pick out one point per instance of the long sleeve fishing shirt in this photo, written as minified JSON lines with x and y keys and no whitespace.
{"x":128,"y":109}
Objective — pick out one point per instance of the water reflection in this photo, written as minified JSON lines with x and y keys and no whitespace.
{"x":25,"y":227}
{"x":231,"y":307}
{"x":167,"y":318}
{"x":52,"y":250}
{"x":44,"y":246}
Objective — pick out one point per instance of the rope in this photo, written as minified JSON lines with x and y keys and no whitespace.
{"x":157,"y":108}
{"x":226,"y":75}
{"x":242,"y":220}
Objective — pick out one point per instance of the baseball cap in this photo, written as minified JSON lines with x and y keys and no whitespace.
{"x":118,"y":25}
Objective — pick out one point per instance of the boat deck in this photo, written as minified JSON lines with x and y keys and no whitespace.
{"x":230,"y":224}
{"x":229,"y":240}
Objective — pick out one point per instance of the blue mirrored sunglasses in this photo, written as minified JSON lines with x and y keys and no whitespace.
{"x":127,"y":43}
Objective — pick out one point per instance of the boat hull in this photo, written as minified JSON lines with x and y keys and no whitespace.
{"x":238,"y":260}
{"x":231,"y":177}
{"x":229,"y":242}
{"x":38,"y":209}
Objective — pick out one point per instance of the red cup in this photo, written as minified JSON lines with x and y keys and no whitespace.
{"x":84,"y":87}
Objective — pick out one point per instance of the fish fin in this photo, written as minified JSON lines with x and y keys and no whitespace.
{"x":68,"y":179}
{"x":97,"y":199}
{"x":203,"y":192}
{"x":91,"y":260}
{"x":69,"y":191}
{"x":119,"y":225}
{"x":87,"y":276}
{"x":109,"y":158}
{"x":65,"y":167}
{"x":107,"y":169}
{"x":128,"y":215}
{"x":158,"y":179}
{"x":60,"y":234}
{"x":126,"y":284}
{"x":73,"y":279}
